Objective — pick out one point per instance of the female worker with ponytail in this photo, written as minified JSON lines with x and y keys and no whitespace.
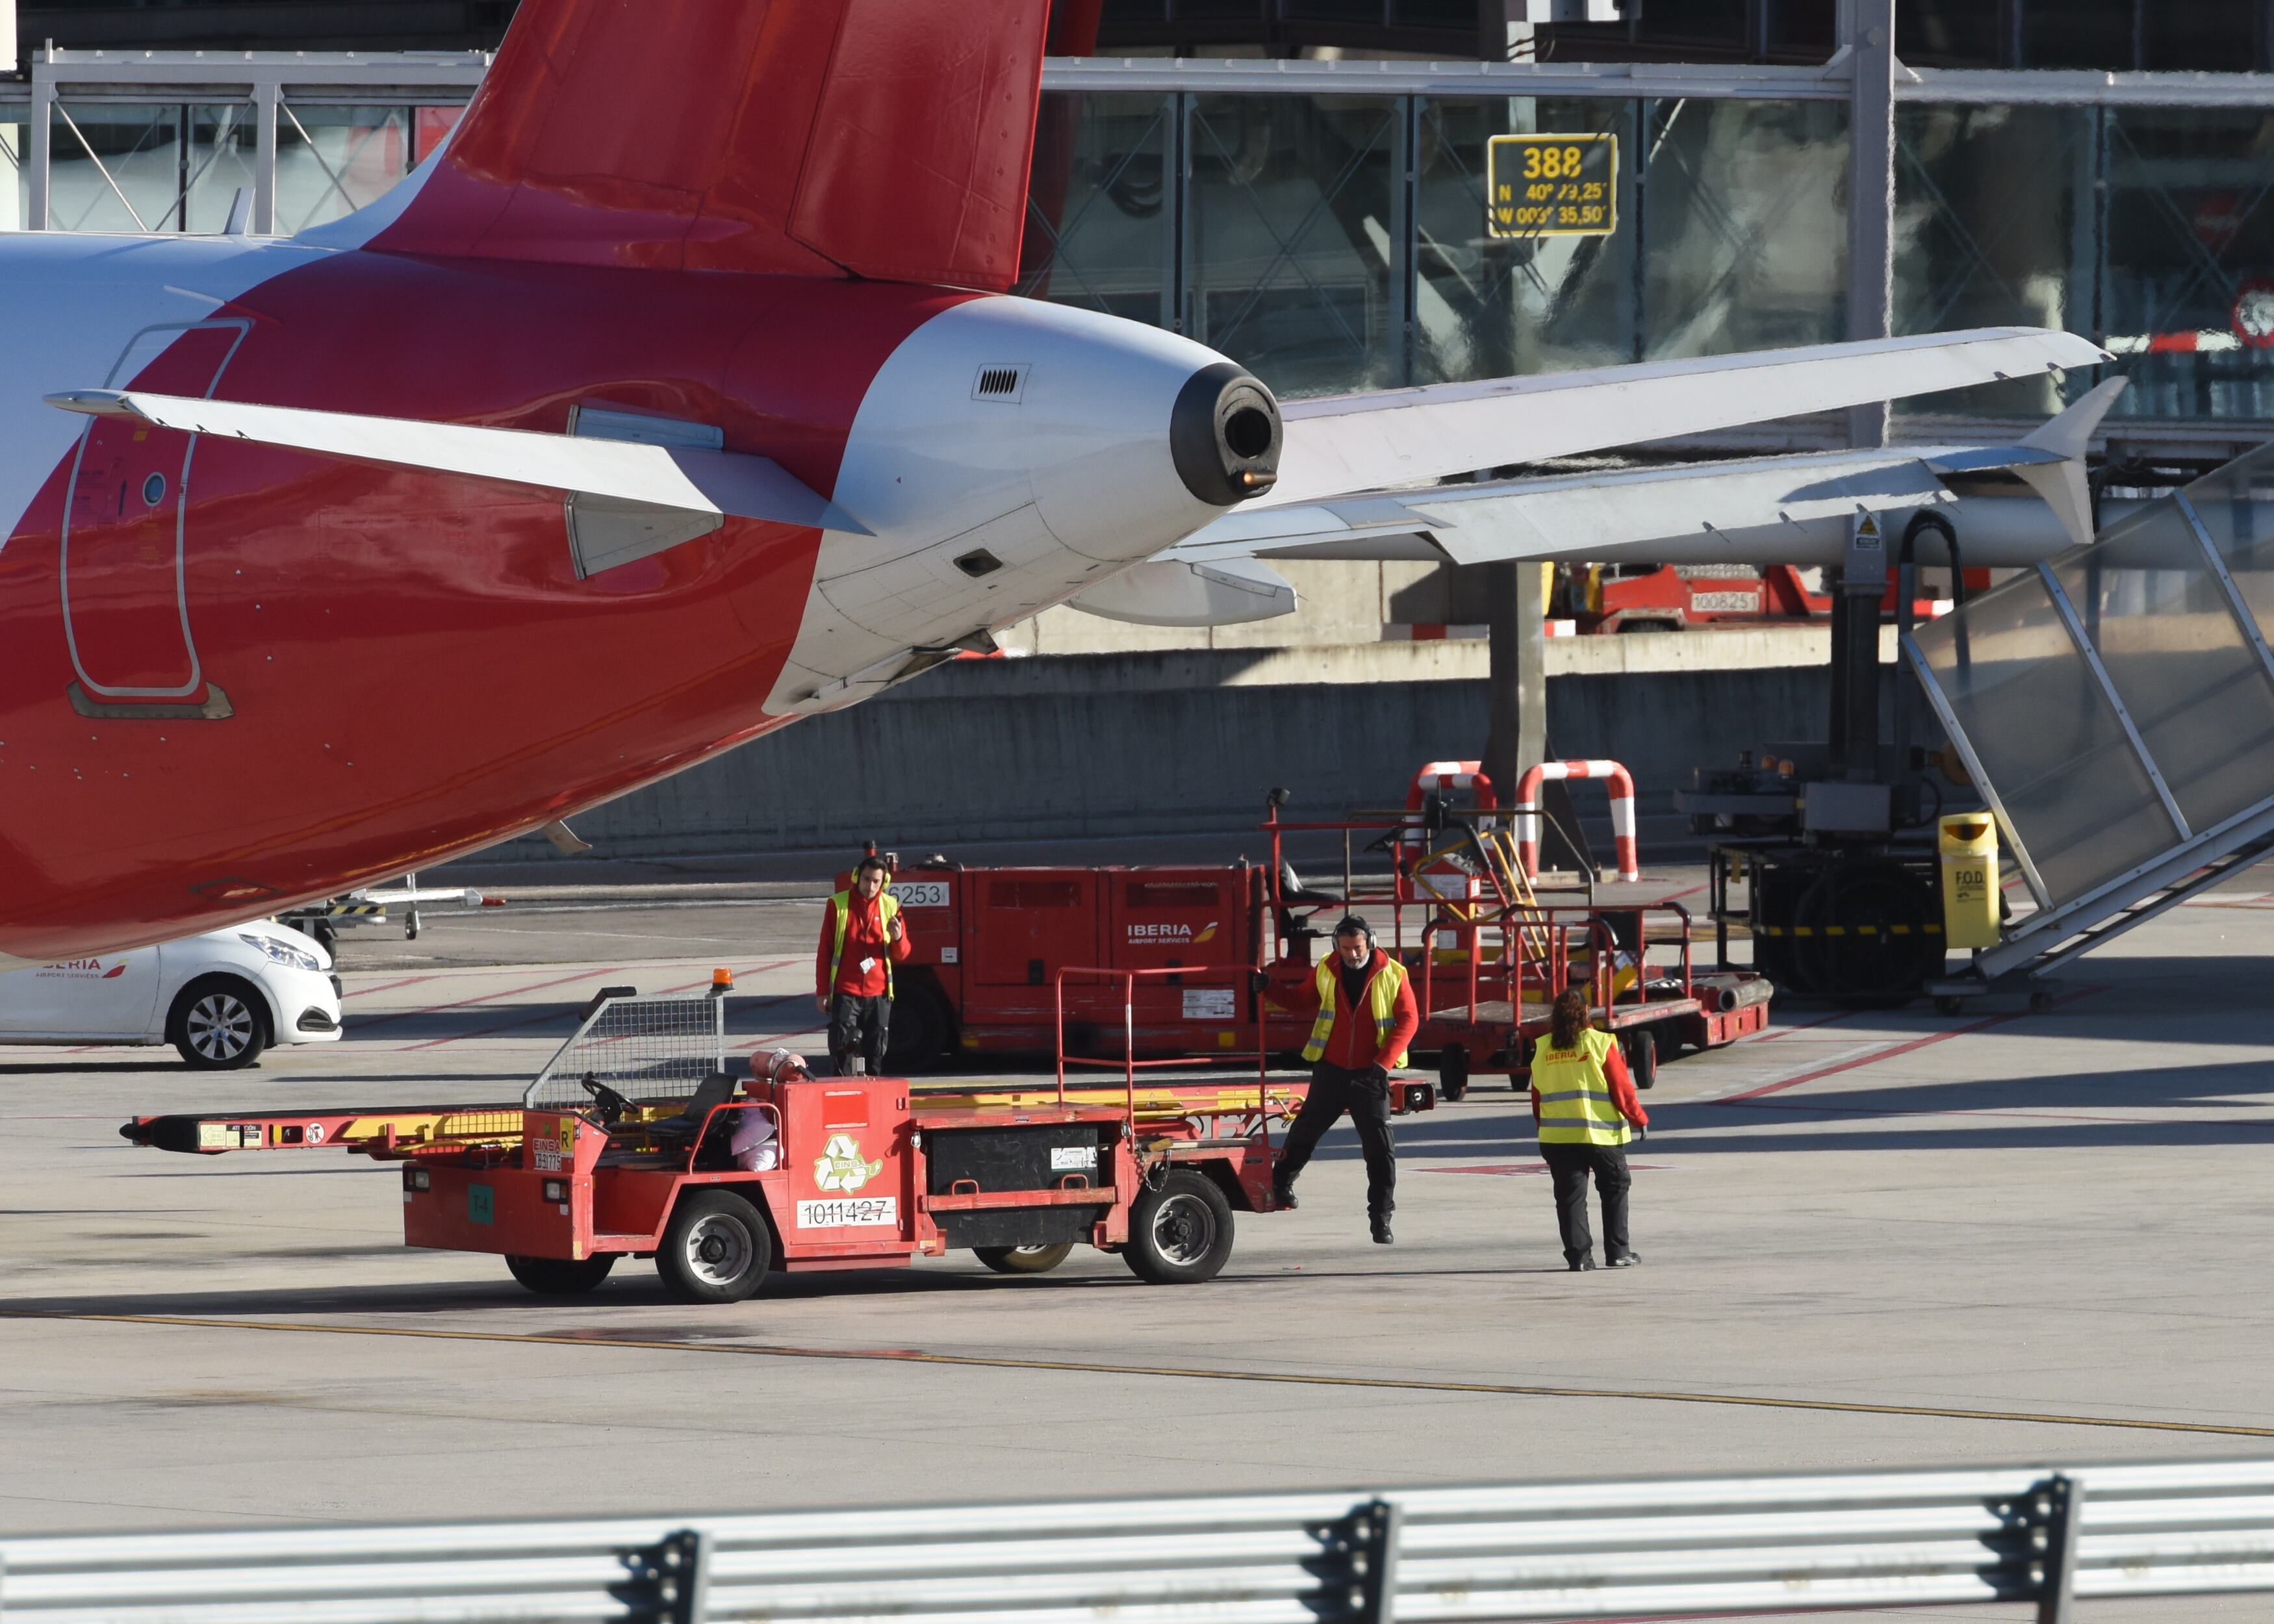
{"x":1583,"y":1101}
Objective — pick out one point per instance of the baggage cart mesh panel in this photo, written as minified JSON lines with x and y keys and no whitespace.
{"x":646,"y":1049}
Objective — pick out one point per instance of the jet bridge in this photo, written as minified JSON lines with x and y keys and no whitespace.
{"x":2115,"y":706}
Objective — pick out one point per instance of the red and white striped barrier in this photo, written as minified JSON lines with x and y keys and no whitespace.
{"x":1443,"y":776}
{"x":1616,"y":779}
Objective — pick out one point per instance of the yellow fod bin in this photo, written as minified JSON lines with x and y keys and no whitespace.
{"x":1968,"y":845}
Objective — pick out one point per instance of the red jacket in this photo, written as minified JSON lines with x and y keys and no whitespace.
{"x":1352,"y":1045}
{"x":864,"y":939}
{"x":1623,"y":1090}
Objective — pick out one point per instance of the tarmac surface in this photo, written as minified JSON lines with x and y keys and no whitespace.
{"x":1870,"y":1240}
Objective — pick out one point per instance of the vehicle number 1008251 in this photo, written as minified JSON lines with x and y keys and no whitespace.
{"x":848,"y":1213}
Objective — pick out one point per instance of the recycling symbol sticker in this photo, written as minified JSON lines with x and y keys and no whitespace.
{"x":840,"y":1167}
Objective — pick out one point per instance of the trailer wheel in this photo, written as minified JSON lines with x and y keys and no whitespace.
{"x":560,"y":1276}
{"x":1180,"y":1233}
{"x":1452,"y":1072}
{"x":919,"y":1032}
{"x":1642,"y":1056}
{"x":716,"y":1249}
{"x":1023,"y":1259}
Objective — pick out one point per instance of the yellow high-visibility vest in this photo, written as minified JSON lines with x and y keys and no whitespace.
{"x":1381,"y":996}
{"x":888,"y":909}
{"x":1575,"y":1092}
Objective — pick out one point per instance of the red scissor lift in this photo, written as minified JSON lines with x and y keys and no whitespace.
{"x":1489,"y":954}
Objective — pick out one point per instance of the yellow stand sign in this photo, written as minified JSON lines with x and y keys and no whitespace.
{"x":1552,"y":185}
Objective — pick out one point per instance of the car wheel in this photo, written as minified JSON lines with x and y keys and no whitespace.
{"x":560,"y":1276}
{"x":1180,"y":1233}
{"x":717,"y":1249}
{"x":219,"y":1025}
{"x":1023,"y":1259}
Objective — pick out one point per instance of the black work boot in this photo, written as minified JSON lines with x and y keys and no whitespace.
{"x":1585,"y":1260}
{"x":1382,"y":1234}
{"x":1282,"y":1194}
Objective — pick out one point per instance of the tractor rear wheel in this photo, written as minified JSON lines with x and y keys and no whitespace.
{"x":1023,"y":1259}
{"x":560,"y":1276}
{"x":716,"y":1249}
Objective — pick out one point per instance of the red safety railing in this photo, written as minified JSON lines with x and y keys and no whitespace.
{"x":1237,"y":976}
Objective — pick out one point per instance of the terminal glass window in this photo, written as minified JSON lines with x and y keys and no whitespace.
{"x":115,"y":168}
{"x":1100,"y":210}
{"x":2189,"y":287}
{"x":1995,"y":226}
{"x":1292,"y":230}
{"x":15,"y":200}
{"x":332,"y":161}
{"x":2079,"y":33}
{"x":2210,"y":36}
{"x":1961,"y":34}
{"x":1487,"y":307}
{"x":1745,"y":234}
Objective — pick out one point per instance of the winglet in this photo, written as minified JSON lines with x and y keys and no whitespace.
{"x":2070,"y":436}
{"x":93,"y":402}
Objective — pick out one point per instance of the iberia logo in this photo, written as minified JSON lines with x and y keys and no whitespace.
{"x":116,"y":970}
{"x":1182,"y":935}
{"x":839,"y":1165}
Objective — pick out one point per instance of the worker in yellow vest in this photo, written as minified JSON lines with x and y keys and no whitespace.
{"x":1584,"y":1101}
{"x":1366,"y":1017}
{"x":862,"y":936}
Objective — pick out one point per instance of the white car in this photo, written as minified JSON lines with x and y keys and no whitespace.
{"x":220,"y":998}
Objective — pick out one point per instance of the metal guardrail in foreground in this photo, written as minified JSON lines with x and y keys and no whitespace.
{"x":1698,"y":1547}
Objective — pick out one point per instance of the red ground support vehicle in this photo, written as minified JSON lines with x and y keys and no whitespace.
{"x":1648,"y":597}
{"x":632,"y":1142}
{"x":990,"y":944}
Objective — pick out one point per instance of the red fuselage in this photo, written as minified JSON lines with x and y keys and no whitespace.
{"x":234,"y":676}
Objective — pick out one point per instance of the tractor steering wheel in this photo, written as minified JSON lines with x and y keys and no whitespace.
{"x":613,"y":1107}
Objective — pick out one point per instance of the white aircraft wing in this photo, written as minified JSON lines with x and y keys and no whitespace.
{"x":689,"y":478}
{"x":1344,"y":444}
{"x":1760,"y":510}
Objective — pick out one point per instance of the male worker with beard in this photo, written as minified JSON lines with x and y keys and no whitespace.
{"x":862,"y":936}
{"x":1366,"y":1015}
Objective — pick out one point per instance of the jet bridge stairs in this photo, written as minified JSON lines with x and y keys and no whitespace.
{"x":2115,"y":707}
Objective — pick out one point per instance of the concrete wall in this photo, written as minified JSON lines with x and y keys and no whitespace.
{"x":1160,"y":743}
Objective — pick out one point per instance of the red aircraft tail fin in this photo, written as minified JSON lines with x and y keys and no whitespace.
{"x":884,"y":139}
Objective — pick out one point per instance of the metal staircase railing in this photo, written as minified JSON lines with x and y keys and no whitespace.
{"x":2115,"y":706}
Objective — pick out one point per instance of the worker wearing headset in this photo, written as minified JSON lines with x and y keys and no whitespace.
{"x":1366,"y":1017}
{"x":862,"y":936}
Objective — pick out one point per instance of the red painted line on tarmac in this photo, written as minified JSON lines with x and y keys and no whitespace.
{"x":503,"y":992}
{"x":1983,"y":1024}
{"x":358,"y":992}
{"x":1806,"y":1025}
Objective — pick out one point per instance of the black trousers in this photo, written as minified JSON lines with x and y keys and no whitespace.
{"x":859,"y":1027}
{"x":1334,"y":1090}
{"x":1569,"y":1166}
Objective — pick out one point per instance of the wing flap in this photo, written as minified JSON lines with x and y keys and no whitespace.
{"x":1347,"y":444}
